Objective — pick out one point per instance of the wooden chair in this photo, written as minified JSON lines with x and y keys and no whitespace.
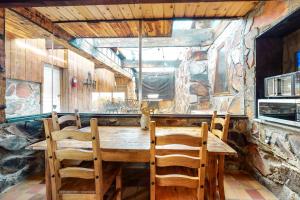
{"x":57,"y":121}
{"x":172,"y":185}
{"x":82,"y":183}
{"x":222,"y":134}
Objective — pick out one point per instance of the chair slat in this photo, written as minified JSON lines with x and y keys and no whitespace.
{"x":77,"y":172}
{"x":218,"y":133}
{"x":178,"y":139}
{"x":70,"y":128}
{"x":177,"y":160}
{"x":71,"y":134}
{"x":74,"y":154}
{"x":177,"y":180}
{"x":65,"y":118}
{"x":78,"y":196}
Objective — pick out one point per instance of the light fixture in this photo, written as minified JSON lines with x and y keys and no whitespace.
{"x":89,"y":81}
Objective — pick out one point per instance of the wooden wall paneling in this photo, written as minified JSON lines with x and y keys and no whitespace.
{"x":24,"y":63}
{"x":79,"y":97}
{"x":61,"y":37}
{"x":81,"y":90}
{"x":59,"y":57}
{"x":7,"y":57}
{"x":39,"y":68}
{"x":29,"y":61}
{"x":17,"y":60}
{"x":65,"y":84}
{"x":13,"y":56}
{"x":105,"y":80}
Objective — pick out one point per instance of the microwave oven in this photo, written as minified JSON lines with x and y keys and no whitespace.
{"x":286,"y":85}
{"x":284,"y":111}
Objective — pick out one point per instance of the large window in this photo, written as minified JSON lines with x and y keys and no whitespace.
{"x":177,"y":66}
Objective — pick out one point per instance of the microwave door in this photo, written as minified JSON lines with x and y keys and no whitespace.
{"x":286,"y":86}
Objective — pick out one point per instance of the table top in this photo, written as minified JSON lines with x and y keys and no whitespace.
{"x":129,"y":138}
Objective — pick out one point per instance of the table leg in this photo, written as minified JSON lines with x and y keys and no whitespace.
{"x":212,"y":176}
{"x":221,"y":163}
{"x":47,"y":178}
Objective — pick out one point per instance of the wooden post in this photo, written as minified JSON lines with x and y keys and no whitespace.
{"x":152,"y":160}
{"x":2,"y":66}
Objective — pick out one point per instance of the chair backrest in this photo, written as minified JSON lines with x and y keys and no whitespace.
{"x":181,"y":160}
{"x":57,"y":121}
{"x":224,"y":122}
{"x":56,"y":156}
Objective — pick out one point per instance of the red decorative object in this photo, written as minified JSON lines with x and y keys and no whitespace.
{"x":74,"y":82}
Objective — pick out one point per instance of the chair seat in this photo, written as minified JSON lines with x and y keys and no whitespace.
{"x":175,"y":193}
{"x":87,"y":186}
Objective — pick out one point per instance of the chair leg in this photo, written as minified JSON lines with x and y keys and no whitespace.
{"x":221,"y":177}
{"x":119,"y":185}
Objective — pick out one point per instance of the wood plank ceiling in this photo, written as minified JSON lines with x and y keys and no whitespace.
{"x":124,"y":29}
{"x":148,"y":11}
{"x":119,"y":20}
{"x":18,"y":27}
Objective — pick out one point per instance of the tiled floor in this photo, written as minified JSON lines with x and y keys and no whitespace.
{"x":237,"y":187}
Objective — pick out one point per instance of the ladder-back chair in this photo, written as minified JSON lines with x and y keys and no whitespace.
{"x":58,"y":121}
{"x":80,"y":182}
{"x":222,"y":134}
{"x":172,"y":184}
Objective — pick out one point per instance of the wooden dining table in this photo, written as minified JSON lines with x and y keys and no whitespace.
{"x":132,"y":144}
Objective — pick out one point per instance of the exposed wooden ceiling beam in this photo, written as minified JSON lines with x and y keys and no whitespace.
{"x":45,"y":3}
{"x":147,"y":19}
{"x":63,"y":38}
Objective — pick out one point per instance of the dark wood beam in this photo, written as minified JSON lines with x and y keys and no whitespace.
{"x":147,"y":19}
{"x":39,"y":19}
{"x":45,"y":3}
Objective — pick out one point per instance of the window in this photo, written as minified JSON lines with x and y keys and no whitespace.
{"x":221,"y":75}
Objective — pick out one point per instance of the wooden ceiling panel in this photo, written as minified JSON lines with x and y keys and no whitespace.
{"x":158,"y":28}
{"x":18,"y":27}
{"x":149,"y":11}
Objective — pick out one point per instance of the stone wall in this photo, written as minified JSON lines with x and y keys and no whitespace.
{"x":22,"y":98}
{"x":15,"y":161}
{"x":231,"y":41}
{"x":271,"y":152}
{"x":273,"y":157}
{"x":195,"y":77}
{"x":191,"y":84}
